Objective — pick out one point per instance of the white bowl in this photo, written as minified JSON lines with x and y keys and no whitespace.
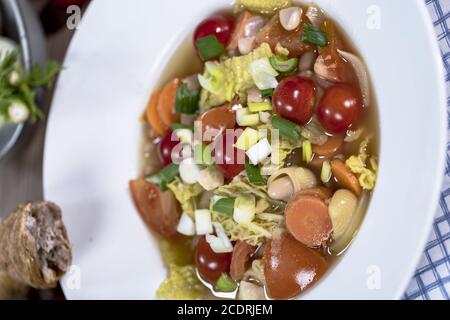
{"x":93,"y":141}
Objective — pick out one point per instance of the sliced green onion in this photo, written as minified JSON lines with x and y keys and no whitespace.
{"x":267,"y":93}
{"x":325,"y":174}
{"x":247,"y":139}
{"x":225,"y":284}
{"x":164,"y":176}
{"x":177,"y":126}
{"x":254,"y":174}
{"x":287,"y":129}
{"x":307,"y":151}
{"x":282,"y":65}
{"x":260,"y":106}
{"x":314,"y":36}
{"x":263,"y":74}
{"x":224,"y":205}
{"x":186,"y":100}
{"x":244,"y":209}
{"x":246,"y":119}
{"x":203,"y":155}
{"x":209,"y":47}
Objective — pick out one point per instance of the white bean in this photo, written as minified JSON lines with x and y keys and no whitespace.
{"x":342,"y":207}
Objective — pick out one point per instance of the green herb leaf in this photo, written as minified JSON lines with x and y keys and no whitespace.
{"x":16,"y":85}
{"x":43,"y":76}
{"x":225,"y":284}
{"x":287,"y":129}
{"x":224,"y":205}
{"x":209,"y":47}
{"x":254,"y":174}
{"x":314,"y":36}
{"x":186,"y":100}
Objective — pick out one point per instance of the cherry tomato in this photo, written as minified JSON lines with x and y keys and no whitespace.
{"x":219,"y":26}
{"x":215,"y":120}
{"x":209,"y":264}
{"x":165,"y":147}
{"x":229,"y":160}
{"x":160,"y":211}
{"x":340,"y":108}
{"x":297,"y":267}
{"x":294,"y":99}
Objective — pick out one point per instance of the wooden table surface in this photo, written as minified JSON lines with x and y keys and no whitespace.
{"x":21,"y":168}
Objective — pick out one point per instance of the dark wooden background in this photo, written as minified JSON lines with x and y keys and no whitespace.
{"x":21,"y":169}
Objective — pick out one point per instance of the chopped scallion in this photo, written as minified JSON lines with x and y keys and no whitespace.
{"x":283,"y":65}
{"x":314,"y":36}
{"x":225,"y":284}
{"x":186,"y":100}
{"x":224,"y":205}
{"x":267,"y":93}
{"x":307,"y":151}
{"x":209,"y":47}
{"x":325,"y":174}
{"x":164,"y":176}
{"x":287,"y":129}
{"x":177,"y":126}
{"x":254,"y":174}
{"x":260,"y":106}
{"x":203,"y":155}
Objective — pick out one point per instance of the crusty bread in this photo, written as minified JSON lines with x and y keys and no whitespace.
{"x":34,"y":247}
{"x":10,"y":288}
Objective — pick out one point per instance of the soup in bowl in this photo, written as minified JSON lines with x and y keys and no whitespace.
{"x":260,"y":153}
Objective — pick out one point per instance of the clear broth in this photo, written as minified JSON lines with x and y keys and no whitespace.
{"x":185,"y":62}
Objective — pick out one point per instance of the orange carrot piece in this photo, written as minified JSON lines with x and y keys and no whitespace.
{"x":329,"y":148}
{"x":151,"y":115}
{"x":166,"y":103}
{"x":345,"y":177}
{"x":308,"y":221}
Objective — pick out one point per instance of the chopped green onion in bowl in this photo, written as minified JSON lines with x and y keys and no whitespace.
{"x":325,"y":174}
{"x":314,"y":36}
{"x":225,"y":284}
{"x":267,"y":93}
{"x":282,"y":64}
{"x":307,"y":153}
{"x":164,"y":176}
{"x":287,"y":129}
{"x":177,"y":126}
{"x":224,"y":205}
{"x":209,"y":47}
{"x":254,"y":174}
{"x":186,"y":101}
{"x":260,"y":106}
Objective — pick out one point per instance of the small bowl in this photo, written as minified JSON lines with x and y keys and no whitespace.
{"x":20,"y":24}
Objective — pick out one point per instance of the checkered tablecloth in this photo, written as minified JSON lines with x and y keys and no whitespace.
{"x":432,"y":277}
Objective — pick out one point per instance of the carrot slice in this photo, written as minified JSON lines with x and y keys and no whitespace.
{"x":239,"y":29}
{"x":240,"y":259}
{"x":166,"y":103}
{"x":151,"y":114}
{"x":345,"y":177}
{"x":329,"y":148}
{"x":322,"y":193}
{"x":308,"y":221}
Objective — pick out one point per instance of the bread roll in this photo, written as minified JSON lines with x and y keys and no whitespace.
{"x":34,"y":247}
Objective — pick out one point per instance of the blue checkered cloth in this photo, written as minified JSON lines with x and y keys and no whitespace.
{"x":432,"y":277}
